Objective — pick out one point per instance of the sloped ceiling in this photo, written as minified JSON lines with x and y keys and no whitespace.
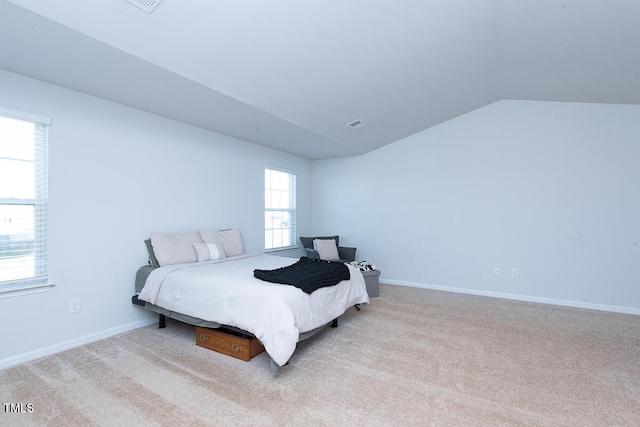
{"x":291,"y":75}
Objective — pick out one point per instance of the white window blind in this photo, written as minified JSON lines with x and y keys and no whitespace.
{"x":279,"y":209}
{"x":23,"y":200}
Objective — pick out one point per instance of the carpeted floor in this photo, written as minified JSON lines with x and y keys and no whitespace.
{"x":412,"y":357}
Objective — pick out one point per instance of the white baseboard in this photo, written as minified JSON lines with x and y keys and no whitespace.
{"x":553,"y":301}
{"x":37,"y":354}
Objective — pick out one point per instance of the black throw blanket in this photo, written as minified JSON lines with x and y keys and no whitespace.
{"x":307,"y":274}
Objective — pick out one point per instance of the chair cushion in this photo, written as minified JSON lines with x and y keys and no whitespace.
{"x":307,"y":242}
{"x":347,"y":253}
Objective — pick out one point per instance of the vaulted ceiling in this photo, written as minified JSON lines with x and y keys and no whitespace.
{"x":292,"y":74}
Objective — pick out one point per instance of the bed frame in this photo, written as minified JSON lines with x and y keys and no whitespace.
{"x":163,"y":313}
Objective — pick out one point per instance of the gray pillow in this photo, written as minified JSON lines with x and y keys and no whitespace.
{"x":152,"y":256}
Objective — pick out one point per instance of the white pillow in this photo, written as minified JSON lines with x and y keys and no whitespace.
{"x":327,"y":249}
{"x":209,"y":251}
{"x":175,"y":248}
{"x":230,"y":240}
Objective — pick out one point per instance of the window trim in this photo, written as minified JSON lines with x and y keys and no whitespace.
{"x":39,"y":282}
{"x":292,"y":211}
{"x":25,"y":289}
{"x":24,"y":116}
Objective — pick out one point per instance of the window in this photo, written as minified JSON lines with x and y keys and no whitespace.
{"x":279,"y":209}
{"x":23,"y":201}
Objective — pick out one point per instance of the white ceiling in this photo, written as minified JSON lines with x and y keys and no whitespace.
{"x":291,"y":74}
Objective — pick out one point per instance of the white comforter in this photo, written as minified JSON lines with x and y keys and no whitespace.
{"x":226,"y":292}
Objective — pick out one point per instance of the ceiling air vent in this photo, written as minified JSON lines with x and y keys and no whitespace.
{"x":146,"y":5}
{"x":356,"y":124}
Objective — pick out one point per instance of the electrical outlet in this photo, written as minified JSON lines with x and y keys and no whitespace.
{"x":496,"y":271}
{"x":74,"y":306}
{"x":514,"y":272}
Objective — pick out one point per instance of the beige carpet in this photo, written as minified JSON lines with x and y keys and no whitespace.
{"x":412,"y":357}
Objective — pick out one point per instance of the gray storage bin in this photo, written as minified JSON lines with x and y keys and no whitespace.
{"x":371,"y":279}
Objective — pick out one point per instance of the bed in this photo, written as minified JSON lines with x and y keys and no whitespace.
{"x":224,"y":292}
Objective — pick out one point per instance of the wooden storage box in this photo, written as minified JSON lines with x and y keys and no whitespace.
{"x":229,"y":342}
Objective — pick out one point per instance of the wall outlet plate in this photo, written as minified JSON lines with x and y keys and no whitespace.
{"x":74,"y":306}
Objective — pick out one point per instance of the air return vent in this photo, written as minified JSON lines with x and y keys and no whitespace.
{"x":146,"y":5}
{"x":356,"y":124}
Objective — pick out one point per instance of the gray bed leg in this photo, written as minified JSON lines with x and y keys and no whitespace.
{"x":162,"y":321}
{"x":273,"y":366}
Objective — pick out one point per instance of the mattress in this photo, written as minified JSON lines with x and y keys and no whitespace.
{"x":226,"y":292}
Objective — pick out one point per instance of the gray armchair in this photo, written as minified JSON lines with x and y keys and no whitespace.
{"x":347,"y":254}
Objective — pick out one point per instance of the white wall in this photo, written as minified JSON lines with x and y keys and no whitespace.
{"x":550,"y":188}
{"x":116,"y":175}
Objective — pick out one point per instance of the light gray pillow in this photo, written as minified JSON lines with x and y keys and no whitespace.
{"x":231,"y":240}
{"x":327,"y":249}
{"x":175,"y":248}
{"x":209,"y":251}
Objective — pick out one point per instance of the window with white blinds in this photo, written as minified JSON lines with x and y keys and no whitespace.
{"x":23,"y":200}
{"x":279,"y":209}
